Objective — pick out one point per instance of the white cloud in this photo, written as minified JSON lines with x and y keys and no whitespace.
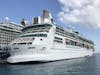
{"x":85,"y":12}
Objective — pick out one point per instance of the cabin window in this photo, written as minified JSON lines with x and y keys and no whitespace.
{"x":41,"y":39}
{"x":70,"y":42}
{"x":58,"y":40}
{"x":36,"y":35}
{"x":21,"y":43}
{"x":29,"y":43}
{"x":67,"y":42}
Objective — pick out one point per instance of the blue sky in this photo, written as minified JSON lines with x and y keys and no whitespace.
{"x":18,"y":9}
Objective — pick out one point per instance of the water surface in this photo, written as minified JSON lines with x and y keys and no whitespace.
{"x":79,"y":66}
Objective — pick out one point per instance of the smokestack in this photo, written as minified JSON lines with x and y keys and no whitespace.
{"x":24,"y":22}
{"x":37,"y":20}
{"x":47,"y":17}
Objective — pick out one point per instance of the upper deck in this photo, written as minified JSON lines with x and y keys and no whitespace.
{"x":38,"y":28}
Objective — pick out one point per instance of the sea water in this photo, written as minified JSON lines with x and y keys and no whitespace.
{"x":79,"y":66}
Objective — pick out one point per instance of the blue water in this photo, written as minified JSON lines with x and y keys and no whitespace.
{"x":79,"y":66}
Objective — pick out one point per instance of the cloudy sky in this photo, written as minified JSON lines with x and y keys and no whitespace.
{"x":83,"y":15}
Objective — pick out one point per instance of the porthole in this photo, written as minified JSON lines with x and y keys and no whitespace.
{"x":41,"y":39}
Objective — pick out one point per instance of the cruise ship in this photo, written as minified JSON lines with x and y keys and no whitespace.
{"x":46,"y":41}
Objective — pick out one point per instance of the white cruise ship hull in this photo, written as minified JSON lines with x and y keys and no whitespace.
{"x":51,"y":45}
{"x":48,"y":55}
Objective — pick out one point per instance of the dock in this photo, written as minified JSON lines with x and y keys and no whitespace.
{"x":3,"y":61}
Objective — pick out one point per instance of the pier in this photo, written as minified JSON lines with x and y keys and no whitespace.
{"x":3,"y":61}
